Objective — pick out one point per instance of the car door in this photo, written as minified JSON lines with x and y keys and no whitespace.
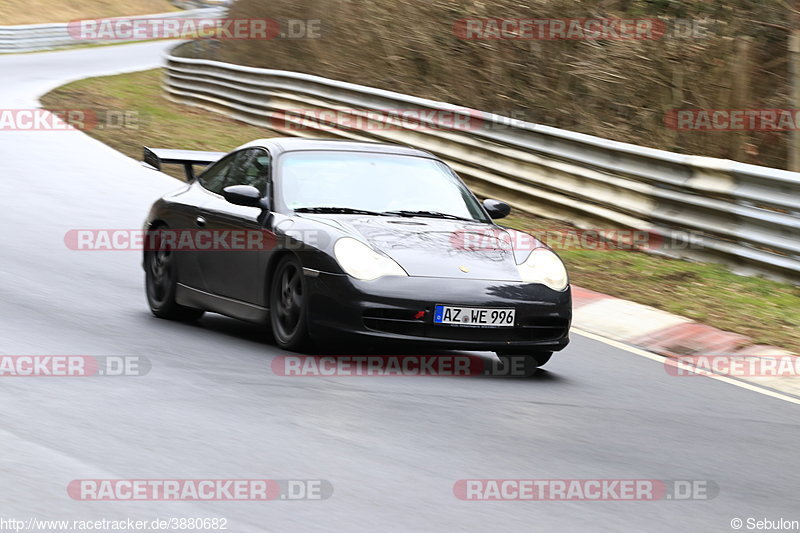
{"x":184,"y":208}
{"x":238,"y":272}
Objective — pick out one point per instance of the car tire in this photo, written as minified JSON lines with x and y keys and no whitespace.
{"x":288,"y":314}
{"x":532,"y":361}
{"x":161,"y":281}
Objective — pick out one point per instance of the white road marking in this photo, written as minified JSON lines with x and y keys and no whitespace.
{"x":662,"y":359}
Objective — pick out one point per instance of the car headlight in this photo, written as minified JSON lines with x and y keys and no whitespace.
{"x":544,"y":266}
{"x":362,"y":262}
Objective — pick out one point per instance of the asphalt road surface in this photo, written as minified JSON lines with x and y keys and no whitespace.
{"x":391,"y":447}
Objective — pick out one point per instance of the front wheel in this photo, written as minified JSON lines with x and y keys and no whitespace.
{"x":160,"y":280}
{"x":287,"y":308}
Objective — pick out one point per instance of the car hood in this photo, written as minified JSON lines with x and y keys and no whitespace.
{"x":434,"y":247}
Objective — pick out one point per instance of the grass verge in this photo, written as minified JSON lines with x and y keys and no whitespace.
{"x":156,"y":122}
{"x":766,"y":311}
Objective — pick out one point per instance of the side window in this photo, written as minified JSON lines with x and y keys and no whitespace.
{"x":214,"y":178}
{"x":251,"y":167}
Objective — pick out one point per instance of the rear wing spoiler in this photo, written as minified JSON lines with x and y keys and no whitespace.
{"x":155,"y":157}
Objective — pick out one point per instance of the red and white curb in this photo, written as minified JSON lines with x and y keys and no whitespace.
{"x":671,"y":335}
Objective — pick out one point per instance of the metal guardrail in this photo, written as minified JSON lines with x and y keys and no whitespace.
{"x":744,"y":216}
{"x":36,"y":37}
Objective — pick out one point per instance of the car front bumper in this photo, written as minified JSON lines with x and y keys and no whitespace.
{"x":400,"y":310}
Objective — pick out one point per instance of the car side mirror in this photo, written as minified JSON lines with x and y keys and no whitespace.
{"x":496,"y":208}
{"x":246,"y":195}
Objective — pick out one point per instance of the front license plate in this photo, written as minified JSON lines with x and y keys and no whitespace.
{"x":473,"y":316}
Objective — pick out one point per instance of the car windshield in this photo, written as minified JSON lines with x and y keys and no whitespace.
{"x":378,"y":183}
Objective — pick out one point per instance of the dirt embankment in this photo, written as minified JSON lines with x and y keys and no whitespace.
{"x":714,"y":55}
{"x":41,"y":11}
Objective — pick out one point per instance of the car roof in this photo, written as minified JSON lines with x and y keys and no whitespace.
{"x":277,"y":145}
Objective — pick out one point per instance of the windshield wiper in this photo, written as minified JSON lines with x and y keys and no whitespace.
{"x":337,"y":211}
{"x":353,"y":211}
{"x":428,"y":214}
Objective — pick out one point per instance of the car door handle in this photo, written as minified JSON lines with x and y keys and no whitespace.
{"x":200,"y":221}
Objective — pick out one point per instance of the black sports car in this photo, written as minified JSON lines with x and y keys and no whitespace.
{"x":366,"y":241}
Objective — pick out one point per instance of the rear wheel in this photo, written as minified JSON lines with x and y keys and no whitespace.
{"x":160,"y":281}
{"x":288,"y":305}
